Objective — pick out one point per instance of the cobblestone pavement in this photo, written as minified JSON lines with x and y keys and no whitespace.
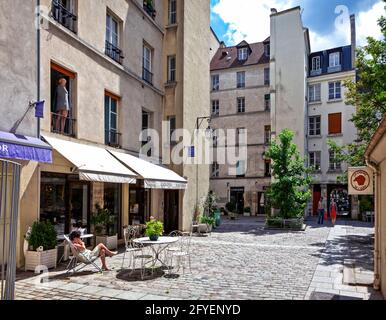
{"x":241,"y":260}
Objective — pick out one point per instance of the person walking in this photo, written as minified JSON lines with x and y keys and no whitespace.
{"x":321,"y":211}
{"x":333,"y":210}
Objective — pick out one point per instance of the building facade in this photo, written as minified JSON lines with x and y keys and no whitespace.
{"x":127,"y":66}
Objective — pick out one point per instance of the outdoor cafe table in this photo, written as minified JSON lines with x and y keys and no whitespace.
{"x":157,"y":246}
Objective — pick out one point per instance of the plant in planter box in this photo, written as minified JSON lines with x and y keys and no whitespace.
{"x":42,"y":242}
{"x":231,"y":208}
{"x":154,"y":229}
{"x":247,"y":211}
{"x":103,"y":221}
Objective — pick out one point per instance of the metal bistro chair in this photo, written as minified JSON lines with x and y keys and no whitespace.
{"x":79,"y":260}
{"x":180,"y":251}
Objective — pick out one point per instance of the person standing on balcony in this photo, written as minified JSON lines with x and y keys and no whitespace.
{"x":62,"y":105}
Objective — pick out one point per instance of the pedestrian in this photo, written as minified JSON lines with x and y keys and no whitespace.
{"x":333,"y":210}
{"x":321,"y":211}
{"x":62,"y":105}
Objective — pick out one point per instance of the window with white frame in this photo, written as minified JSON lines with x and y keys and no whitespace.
{"x":147,"y":64}
{"x":315,"y":160}
{"x":334,"y":59}
{"x":242,"y":54}
{"x":314,"y":126}
{"x":241,"y":105}
{"x":335,"y":164}
{"x":215,"y":107}
{"x":171,"y":68}
{"x":334,"y":90}
{"x":241,"y":79}
{"x":215,"y":82}
{"x":314,"y":94}
{"x":172,"y":11}
{"x":316,"y":65}
{"x":111,"y":120}
{"x":215,"y":170}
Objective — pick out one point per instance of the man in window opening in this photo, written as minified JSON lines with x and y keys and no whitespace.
{"x":62,"y":105}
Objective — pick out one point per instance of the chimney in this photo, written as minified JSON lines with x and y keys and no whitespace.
{"x":273,"y":11}
{"x":353,"y":40}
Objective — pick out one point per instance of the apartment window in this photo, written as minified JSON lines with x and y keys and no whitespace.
{"x":266,"y":77}
{"x":314,"y":92}
{"x":314,"y":124}
{"x":111,"y":120}
{"x":267,"y":50}
{"x":215,"y":139}
{"x":335,"y":165}
{"x":215,"y":82}
{"x":267,"y":168}
{"x":334,"y":59}
{"x":147,"y":64}
{"x":172,"y":11}
{"x":240,"y":132}
{"x":112,"y":38}
{"x":267,"y":135}
{"x":334,"y":90}
{"x":215,"y":170}
{"x":335,"y":123}
{"x":63,"y":11}
{"x":172,"y":128}
{"x":215,"y":107}
{"x":242,"y":54}
{"x":315,"y":160}
{"x":240,"y":79}
{"x":241,"y":105}
{"x":148,"y":6}
{"x":146,"y":124}
{"x":316,"y":65}
{"x":171,"y":68}
{"x":240,"y":169}
{"x":267,"y":102}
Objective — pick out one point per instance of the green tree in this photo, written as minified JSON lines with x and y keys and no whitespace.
{"x":368,"y":95}
{"x":290,"y":190}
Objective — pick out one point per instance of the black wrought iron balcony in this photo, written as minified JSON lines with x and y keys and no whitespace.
{"x":149,"y":8}
{"x":113,"y":52}
{"x":147,"y":76}
{"x":113,"y":138}
{"x":62,"y":15}
{"x":62,"y":125}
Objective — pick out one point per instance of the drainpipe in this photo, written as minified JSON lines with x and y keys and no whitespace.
{"x":38,"y":61}
{"x":377,"y":199}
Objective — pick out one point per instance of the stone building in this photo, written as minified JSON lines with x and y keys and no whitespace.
{"x":128,"y":65}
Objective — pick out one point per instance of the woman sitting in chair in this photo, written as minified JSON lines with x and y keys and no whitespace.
{"x":99,"y":251}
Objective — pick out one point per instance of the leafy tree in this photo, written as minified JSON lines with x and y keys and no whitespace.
{"x":290,"y":190}
{"x":368,"y":95}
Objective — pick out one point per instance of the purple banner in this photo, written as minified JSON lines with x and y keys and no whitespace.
{"x":20,"y":152}
{"x":39,"y":109}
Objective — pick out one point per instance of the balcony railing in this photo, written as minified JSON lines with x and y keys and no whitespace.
{"x":113,"y":138}
{"x":62,"y":125}
{"x":315,"y":72}
{"x":64,"y":16}
{"x":148,"y":7}
{"x":113,"y":52}
{"x":147,"y":76}
{"x":334,"y":69}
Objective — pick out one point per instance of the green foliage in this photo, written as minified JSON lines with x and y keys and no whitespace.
{"x":43,"y":234}
{"x":366,"y":203}
{"x":230,"y":206}
{"x":247,"y":210}
{"x":208,"y":220}
{"x":276,"y":222}
{"x":154,"y":228}
{"x":102,"y":220}
{"x":290,"y":190}
{"x":210,"y":204}
{"x":368,"y":96}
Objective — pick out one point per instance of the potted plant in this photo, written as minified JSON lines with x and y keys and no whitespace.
{"x":231,"y":207}
{"x":247,"y":212}
{"x":154,"y":229}
{"x":207,"y":224}
{"x":42,"y":246}
{"x":103,"y":221}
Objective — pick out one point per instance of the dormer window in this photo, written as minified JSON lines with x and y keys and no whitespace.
{"x":242,"y":54}
{"x":334,"y":59}
{"x":316,"y":63}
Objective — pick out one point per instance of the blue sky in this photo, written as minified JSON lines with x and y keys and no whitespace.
{"x":234,"y":20}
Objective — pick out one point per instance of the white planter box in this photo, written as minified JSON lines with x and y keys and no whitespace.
{"x":46,"y":258}
{"x":110,"y":242}
{"x":247,"y":214}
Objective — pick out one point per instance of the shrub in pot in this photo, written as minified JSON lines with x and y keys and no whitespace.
{"x":42,"y":246}
{"x":231,"y":208}
{"x":103,"y":221}
{"x":154,"y":229}
{"x":247,"y":211}
{"x":210,"y":222}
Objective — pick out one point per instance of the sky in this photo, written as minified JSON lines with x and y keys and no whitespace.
{"x":327,"y":20}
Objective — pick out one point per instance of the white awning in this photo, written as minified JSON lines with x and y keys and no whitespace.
{"x":154,"y":176}
{"x":92,"y":163}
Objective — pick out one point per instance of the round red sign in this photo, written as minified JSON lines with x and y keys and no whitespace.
{"x":360,"y":180}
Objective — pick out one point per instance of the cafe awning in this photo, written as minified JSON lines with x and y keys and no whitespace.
{"x":92,"y":163}
{"x":20,"y":147}
{"x":154,"y":176}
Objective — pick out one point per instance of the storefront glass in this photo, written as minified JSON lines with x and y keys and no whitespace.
{"x":112,"y":202}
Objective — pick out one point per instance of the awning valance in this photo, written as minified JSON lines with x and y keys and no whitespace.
{"x":154,"y":176}
{"x":92,"y":163}
{"x":16,"y":146}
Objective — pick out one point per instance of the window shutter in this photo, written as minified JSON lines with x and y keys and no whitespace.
{"x":335,"y":123}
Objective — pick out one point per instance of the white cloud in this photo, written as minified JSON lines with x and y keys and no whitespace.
{"x":249,"y":20}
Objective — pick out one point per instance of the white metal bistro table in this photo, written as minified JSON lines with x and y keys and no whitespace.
{"x":157,"y":246}
{"x":66,"y":247}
